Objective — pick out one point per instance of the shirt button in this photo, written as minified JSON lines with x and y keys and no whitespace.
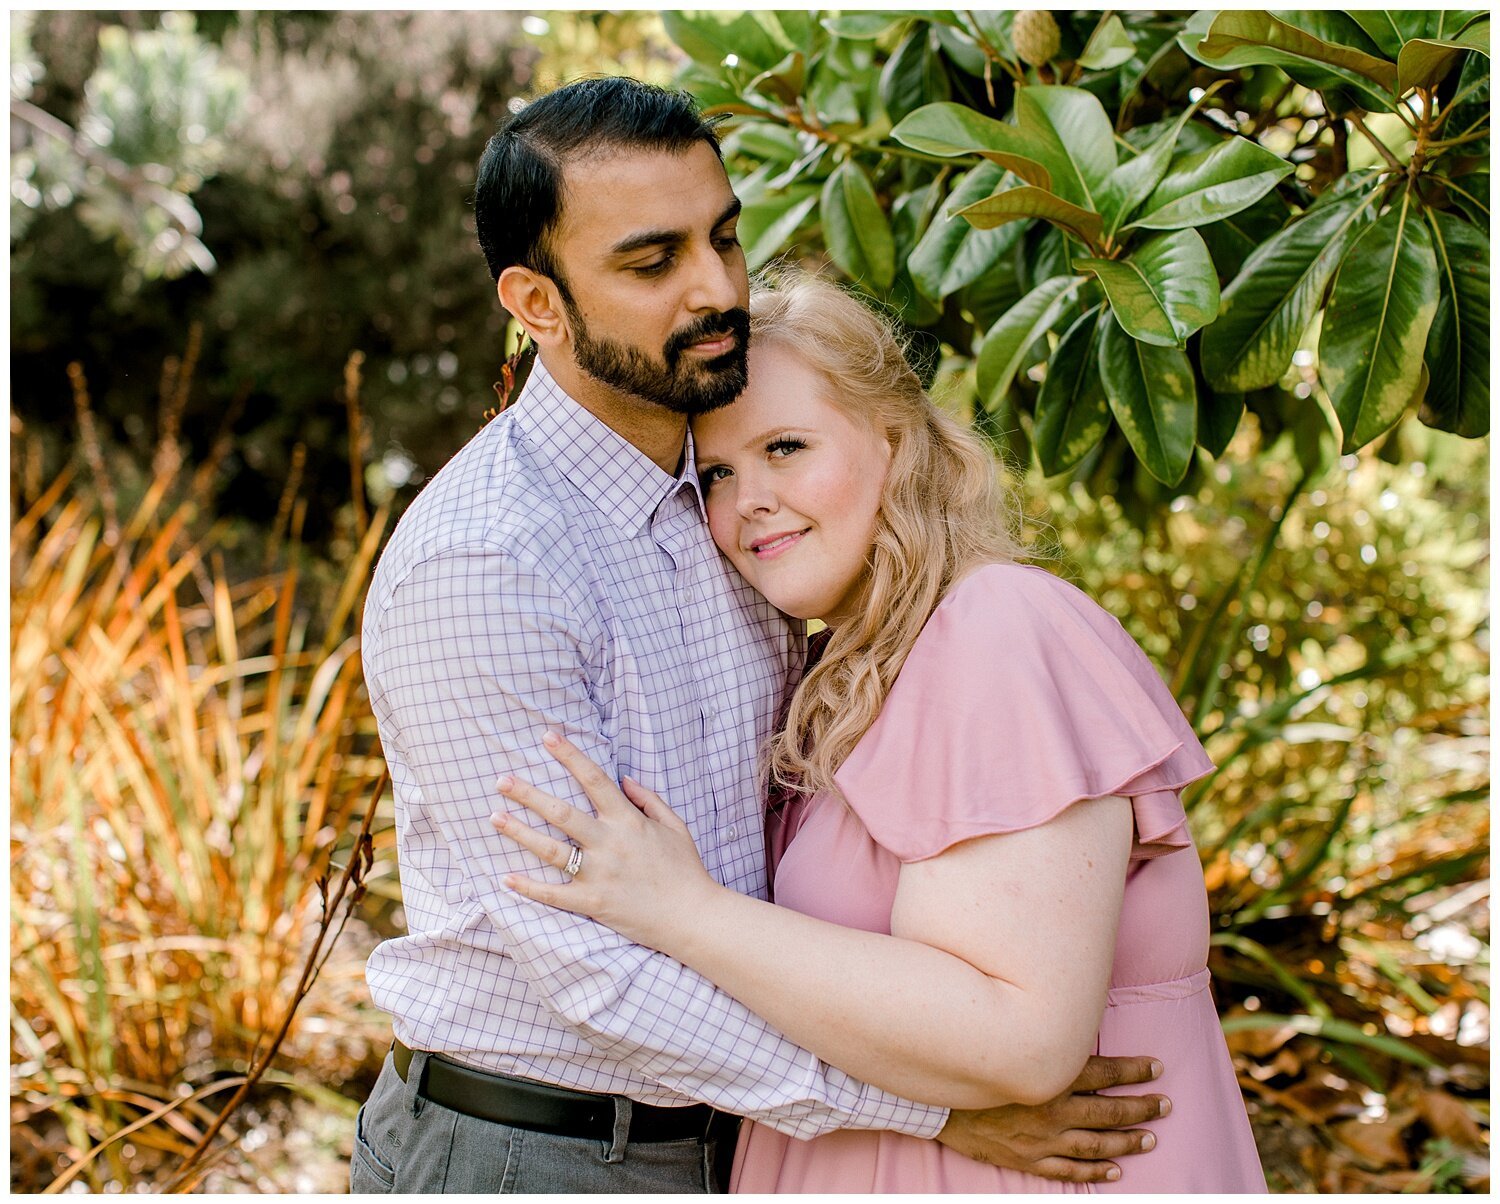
{"x":733,"y":832}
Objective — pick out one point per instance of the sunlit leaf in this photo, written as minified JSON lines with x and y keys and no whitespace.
{"x":1212,"y":185}
{"x":1019,"y":203}
{"x":1163,"y":290}
{"x":1378,"y":318}
{"x":1269,"y":305}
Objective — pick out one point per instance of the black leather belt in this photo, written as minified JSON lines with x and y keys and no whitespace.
{"x":523,"y":1104}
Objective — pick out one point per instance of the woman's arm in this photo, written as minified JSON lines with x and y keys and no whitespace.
{"x":989,"y":991}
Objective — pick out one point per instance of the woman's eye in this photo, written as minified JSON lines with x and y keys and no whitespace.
{"x":717,"y":473}
{"x":784,"y":447}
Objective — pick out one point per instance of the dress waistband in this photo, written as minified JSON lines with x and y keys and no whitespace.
{"x":1158,"y":992}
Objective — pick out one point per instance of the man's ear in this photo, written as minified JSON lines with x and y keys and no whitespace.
{"x":533,"y":301}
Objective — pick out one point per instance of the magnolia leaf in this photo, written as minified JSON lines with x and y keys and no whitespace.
{"x":1219,"y":417}
{"x":784,"y":81}
{"x":1376,"y":328}
{"x":766,"y":226}
{"x":913,"y":76}
{"x":1424,"y":62}
{"x":953,"y":252}
{"x":1322,"y":76}
{"x":951,"y":130}
{"x":855,"y":228}
{"x":1079,"y":136}
{"x":1211,"y":185}
{"x":866,"y":27}
{"x":1133,"y":181}
{"x":1163,"y":291}
{"x":1026,"y":202}
{"x":1151,"y":393}
{"x":1268,"y":306}
{"x":1458,"y":345}
{"x":1108,"y":46}
{"x":1241,"y":30}
{"x":711,"y":37}
{"x":1003,"y":352}
{"x":1072,"y":412}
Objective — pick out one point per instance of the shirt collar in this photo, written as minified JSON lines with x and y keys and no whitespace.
{"x":616,"y":477}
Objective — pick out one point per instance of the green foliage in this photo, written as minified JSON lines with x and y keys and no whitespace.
{"x":1195,"y":174}
{"x":337,"y":213}
{"x":1328,"y":633}
{"x":156,"y":118}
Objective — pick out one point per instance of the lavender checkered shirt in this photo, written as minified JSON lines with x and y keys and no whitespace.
{"x":552,"y":575}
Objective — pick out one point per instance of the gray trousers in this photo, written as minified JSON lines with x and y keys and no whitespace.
{"x":404,"y":1143}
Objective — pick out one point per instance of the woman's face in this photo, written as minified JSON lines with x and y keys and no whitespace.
{"x":792,"y":485}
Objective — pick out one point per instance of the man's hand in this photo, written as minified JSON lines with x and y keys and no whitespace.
{"x":1071,"y":1137}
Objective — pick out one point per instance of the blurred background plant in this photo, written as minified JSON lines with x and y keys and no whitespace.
{"x":255,"y":227}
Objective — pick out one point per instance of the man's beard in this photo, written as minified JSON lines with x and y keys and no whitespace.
{"x":686,"y":386}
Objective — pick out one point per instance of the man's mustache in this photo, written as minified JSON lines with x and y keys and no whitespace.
{"x":731,"y":321}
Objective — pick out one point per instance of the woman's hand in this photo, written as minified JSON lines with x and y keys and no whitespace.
{"x":641,"y":874}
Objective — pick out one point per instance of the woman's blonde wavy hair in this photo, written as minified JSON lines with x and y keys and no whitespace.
{"x":945,"y":509}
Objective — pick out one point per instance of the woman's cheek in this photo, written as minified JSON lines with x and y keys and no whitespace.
{"x":722,"y":522}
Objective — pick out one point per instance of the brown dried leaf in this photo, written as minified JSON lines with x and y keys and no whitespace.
{"x":1450,"y":1118}
{"x":1377,"y":1143}
{"x":1258,"y":1043}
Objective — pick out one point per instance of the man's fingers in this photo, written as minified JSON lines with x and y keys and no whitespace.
{"x":597,"y":784}
{"x":1095,"y":1144}
{"x":1108,"y":1111}
{"x":1065,"y":1170}
{"x":1100,"y":1072}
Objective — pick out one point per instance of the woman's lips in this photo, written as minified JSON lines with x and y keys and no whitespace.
{"x":772,"y":548}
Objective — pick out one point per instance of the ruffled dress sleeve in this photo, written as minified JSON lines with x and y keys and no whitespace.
{"x":1021,"y":697}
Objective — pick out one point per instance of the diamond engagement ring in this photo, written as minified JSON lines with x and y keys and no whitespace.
{"x":575,"y":862}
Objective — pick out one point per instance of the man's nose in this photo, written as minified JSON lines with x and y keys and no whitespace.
{"x":718,"y":282}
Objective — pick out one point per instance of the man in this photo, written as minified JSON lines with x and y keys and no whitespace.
{"x":557,"y":574}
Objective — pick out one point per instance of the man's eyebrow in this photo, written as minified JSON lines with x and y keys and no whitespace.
{"x":667,"y":238}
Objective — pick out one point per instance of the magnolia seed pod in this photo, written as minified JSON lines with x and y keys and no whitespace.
{"x":1035,"y":36}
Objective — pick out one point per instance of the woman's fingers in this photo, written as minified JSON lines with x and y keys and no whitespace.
{"x":597,"y":784}
{"x":553,"y":852}
{"x":542,"y":892}
{"x":559,"y":814}
{"x":651,"y":804}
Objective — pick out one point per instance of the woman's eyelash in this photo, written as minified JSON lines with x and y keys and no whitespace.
{"x":785,"y":444}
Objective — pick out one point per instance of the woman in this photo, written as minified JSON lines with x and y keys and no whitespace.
{"x":985,"y":836}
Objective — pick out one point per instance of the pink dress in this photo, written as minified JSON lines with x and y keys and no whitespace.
{"x":1020,"y":698}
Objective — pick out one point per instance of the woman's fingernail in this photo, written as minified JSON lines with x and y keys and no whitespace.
{"x":499,"y":819}
{"x":1112,"y":1174}
{"x":507,"y":783}
{"x":1148,"y":1142}
{"x":551,"y":739}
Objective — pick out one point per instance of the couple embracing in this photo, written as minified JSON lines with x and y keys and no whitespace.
{"x":585,"y":646}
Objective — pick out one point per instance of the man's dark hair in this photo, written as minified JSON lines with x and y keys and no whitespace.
{"x":518,"y":191}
